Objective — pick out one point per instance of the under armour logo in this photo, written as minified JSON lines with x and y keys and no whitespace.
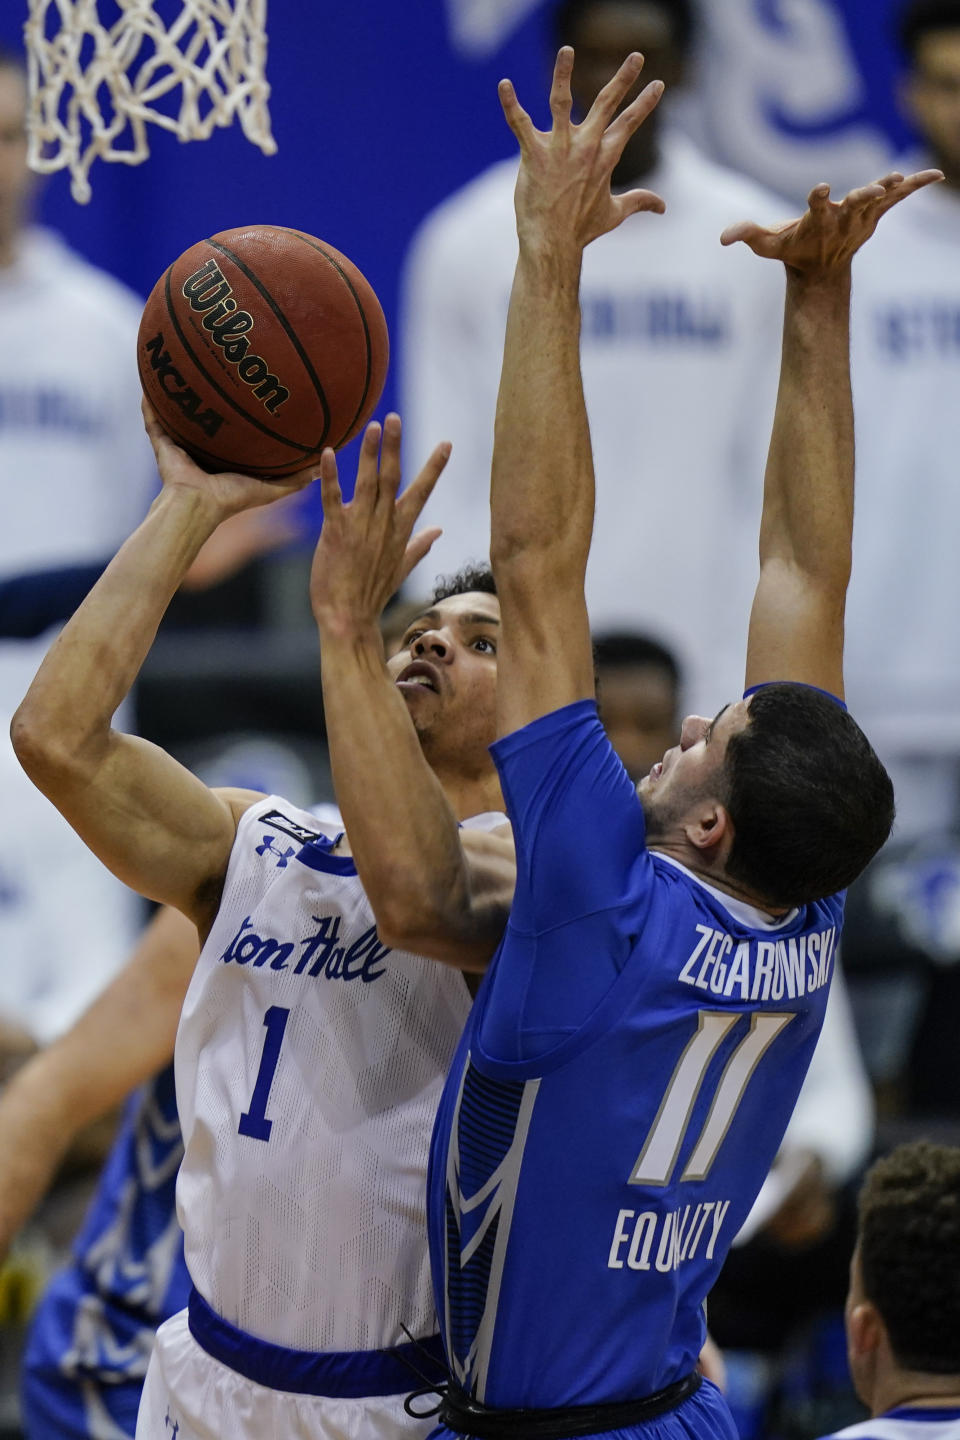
{"x":172,"y":1425}
{"x":282,"y":855}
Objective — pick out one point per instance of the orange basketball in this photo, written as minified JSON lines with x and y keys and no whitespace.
{"x":261,"y":346}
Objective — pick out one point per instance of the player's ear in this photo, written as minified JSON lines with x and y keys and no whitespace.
{"x":865,"y":1329}
{"x":710,"y":830}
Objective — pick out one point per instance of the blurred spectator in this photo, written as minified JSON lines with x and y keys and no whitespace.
{"x":671,"y":323}
{"x":77,"y":475}
{"x":638,"y":685}
{"x":903,"y":1306}
{"x":903,"y":612}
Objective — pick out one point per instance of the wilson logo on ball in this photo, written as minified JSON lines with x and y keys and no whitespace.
{"x":172,"y":383}
{"x":211,"y":295}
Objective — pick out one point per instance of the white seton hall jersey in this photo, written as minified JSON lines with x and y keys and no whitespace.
{"x":310,"y":1060}
{"x":907,"y":1422}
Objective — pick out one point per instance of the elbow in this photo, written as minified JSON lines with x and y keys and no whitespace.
{"x":402,"y":926}
{"x":413,"y":913}
{"x":40,"y":750}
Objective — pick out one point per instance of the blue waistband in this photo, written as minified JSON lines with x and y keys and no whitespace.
{"x":338,"y":1374}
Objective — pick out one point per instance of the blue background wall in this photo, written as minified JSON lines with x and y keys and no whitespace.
{"x":378,"y":115}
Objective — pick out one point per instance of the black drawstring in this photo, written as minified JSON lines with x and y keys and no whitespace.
{"x":430,"y":1387}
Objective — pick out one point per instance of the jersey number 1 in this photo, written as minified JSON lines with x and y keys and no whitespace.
{"x":254,"y":1122}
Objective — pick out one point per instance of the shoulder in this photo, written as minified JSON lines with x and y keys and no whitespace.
{"x":273,"y":812}
{"x":91,"y":292}
{"x":719,"y":187}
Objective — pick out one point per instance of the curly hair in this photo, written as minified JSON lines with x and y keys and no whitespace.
{"x":471,"y":577}
{"x":910,"y":1253}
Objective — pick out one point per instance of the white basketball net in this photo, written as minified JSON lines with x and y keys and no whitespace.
{"x":94,"y":87}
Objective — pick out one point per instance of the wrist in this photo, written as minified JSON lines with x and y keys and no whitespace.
{"x":551,"y":264}
{"x":827,"y":287}
{"x":347,"y":629}
{"x":199,"y":511}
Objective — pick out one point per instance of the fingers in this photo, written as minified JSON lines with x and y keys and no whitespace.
{"x":923,"y":177}
{"x":417,"y":548}
{"x":330,"y":492}
{"x":417,"y":494}
{"x":609,"y":100}
{"x":514,"y":113}
{"x":746,"y":230}
{"x":818,"y":201}
{"x":365,"y":490}
{"x":863,"y":196}
{"x":390,"y":470}
{"x":633,"y":117}
{"x":561,"y":97}
{"x":635,"y":201}
{"x":898,"y":187}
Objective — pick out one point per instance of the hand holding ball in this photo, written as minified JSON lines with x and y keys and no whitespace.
{"x":260,"y":347}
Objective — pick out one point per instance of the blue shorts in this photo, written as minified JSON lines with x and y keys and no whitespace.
{"x":705,"y":1416}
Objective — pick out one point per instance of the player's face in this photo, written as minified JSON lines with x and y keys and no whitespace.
{"x":607,"y":32}
{"x":15,"y":178}
{"x":638,"y":706}
{"x":692,"y":771}
{"x":932,"y":96}
{"x":446,"y":671}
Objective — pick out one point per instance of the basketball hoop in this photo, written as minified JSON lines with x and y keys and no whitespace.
{"x":94,"y":87}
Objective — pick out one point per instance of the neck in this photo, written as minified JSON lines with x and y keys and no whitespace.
{"x":470,"y":795}
{"x":916,"y":1388}
{"x":691,"y":859}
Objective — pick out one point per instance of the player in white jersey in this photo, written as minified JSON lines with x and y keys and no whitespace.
{"x":903,"y":1306}
{"x":313,"y":1047}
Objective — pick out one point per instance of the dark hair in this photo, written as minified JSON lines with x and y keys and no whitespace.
{"x":909,"y":1239}
{"x":809,"y":799}
{"x":922,"y":17}
{"x":566,"y":18}
{"x":622,"y":648}
{"x":470,"y":577}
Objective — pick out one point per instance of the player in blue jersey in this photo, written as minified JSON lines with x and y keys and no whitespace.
{"x":91,"y":1336}
{"x":640,"y":1039}
{"x":903,"y":1307}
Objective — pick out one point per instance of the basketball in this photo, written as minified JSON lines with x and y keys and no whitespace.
{"x":261,"y":346}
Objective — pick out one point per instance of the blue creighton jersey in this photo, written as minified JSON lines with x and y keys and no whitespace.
{"x":93,"y":1332}
{"x":620,"y":1090}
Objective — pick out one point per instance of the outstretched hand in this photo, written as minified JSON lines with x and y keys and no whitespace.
{"x":228,"y":492}
{"x":365,"y":550}
{"x":563,"y":191}
{"x":827,"y":237}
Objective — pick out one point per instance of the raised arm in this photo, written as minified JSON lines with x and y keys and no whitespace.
{"x":119,"y":1042}
{"x":151,"y":822}
{"x":806,"y":528}
{"x":542,"y":492}
{"x":435,"y":889}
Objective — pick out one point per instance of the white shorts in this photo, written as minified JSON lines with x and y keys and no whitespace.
{"x":190,"y":1395}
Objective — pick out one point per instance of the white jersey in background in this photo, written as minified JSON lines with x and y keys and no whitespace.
{"x":76,"y":476}
{"x":908,"y":1422}
{"x":680,"y":353}
{"x":310,"y":1059}
{"x":902,"y":655}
